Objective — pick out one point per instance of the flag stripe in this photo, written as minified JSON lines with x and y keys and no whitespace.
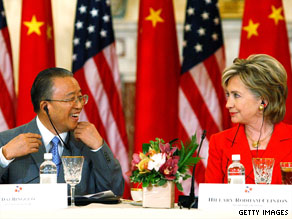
{"x":197,"y":103}
{"x":205,"y":86}
{"x":92,"y":113}
{"x":3,"y":123}
{"x":187,"y":117}
{"x":6,"y":63}
{"x":102,"y":116}
{"x":110,"y":90}
{"x":212,"y":67}
{"x":113,"y":65}
{"x":220,"y":57}
{"x":95,"y":66}
{"x":201,"y":97}
{"x":7,"y":99}
{"x":101,"y":97}
{"x":6,"y":104}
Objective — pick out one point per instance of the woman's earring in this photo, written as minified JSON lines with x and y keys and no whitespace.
{"x":261,"y":107}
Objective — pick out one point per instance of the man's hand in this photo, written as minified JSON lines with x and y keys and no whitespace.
{"x":88,"y":134}
{"x":22,"y":145}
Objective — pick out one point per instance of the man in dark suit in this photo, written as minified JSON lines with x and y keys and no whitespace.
{"x":56,"y":94}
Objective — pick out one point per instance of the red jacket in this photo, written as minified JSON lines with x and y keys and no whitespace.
{"x":221,"y":150}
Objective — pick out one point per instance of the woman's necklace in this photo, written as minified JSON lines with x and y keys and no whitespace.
{"x":257,"y":144}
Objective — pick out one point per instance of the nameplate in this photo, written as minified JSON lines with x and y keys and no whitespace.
{"x":245,"y":196}
{"x":33,"y":196}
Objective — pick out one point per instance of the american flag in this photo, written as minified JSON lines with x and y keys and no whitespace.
{"x":7,"y":98}
{"x":201,"y":97}
{"x":95,"y":66}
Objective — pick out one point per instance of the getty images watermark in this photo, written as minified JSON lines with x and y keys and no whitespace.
{"x":263,"y":212}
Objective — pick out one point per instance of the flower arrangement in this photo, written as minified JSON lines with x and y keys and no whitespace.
{"x":161,"y":162}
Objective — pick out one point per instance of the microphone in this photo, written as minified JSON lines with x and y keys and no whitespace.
{"x":47,"y":111}
{"x":190,"y":201}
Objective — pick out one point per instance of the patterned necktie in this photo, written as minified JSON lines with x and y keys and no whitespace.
{"x":54,"y":150}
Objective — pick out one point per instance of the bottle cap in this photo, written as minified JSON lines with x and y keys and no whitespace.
{"x":235,"y":156}
{"x":48,"y":156}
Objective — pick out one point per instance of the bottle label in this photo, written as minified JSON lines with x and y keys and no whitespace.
{"x":48,"y":178}
{"x":236,"y":179}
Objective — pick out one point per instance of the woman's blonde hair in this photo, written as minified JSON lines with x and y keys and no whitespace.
{"x":266,"y":78}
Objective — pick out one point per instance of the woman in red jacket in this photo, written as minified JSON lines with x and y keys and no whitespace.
{"x":256,"y":92}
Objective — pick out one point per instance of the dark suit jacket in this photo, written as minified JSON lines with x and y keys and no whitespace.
{"x":221,"y":150}
{"x":101,"y":171}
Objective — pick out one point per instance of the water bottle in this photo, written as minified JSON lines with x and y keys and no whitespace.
{"x":236,"y":171}
{"x":48,"y":170}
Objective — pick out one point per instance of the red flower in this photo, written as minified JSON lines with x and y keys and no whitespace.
{"x":170,"y":167}
{"x":165,"y":148}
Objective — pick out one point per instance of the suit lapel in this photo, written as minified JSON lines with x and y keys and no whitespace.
{"x":38,"y":157}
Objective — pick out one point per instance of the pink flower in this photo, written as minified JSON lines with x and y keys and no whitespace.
{"x":136,"y":159}
{"x":165,"y":148}
{"x":170,"y":167}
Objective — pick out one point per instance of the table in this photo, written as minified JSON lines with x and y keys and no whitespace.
{"x":124,"y":210}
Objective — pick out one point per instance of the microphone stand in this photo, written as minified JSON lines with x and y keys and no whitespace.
{"x":190,"y":201}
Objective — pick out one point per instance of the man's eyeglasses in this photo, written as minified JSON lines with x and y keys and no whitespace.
{"x":74,"y":100}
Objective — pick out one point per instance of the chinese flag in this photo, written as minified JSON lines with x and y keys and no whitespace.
{"x":264,"y":31}
{"x":36,"y":51}
{"x":157,"y":73}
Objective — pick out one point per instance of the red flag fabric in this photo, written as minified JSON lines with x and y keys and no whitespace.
{"x":95,"y":66}
{"x":201,"y":97}
{"x":264,"y":31}
{"x":7,"y":93}
{"x":157,"y":73}
{"x":36,"y":51}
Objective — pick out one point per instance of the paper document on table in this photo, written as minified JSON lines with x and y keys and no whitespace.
{"x":99,"y":195}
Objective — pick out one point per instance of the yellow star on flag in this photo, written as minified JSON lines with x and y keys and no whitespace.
{"x":276,"y":14}
{"x":251,"y":29}
{"x":33,"y":26}
{"x":154,"y":16}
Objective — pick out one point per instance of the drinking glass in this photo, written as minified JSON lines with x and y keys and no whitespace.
{"x":286,"y":172}
{"x":72,"y":172}
{"x":263,"y":170}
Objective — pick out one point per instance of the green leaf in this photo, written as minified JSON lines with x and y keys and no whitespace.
{"x":162,"y":182}
{"x":145,"y":184}
{"x":192,"y":160}
{"x":156,"y":147}
{"x":179,"y":187}
{"x":145,"y":147}
{"x":191,"y":148}
{"x":182,"y":150}
{"x":186,"y":176}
